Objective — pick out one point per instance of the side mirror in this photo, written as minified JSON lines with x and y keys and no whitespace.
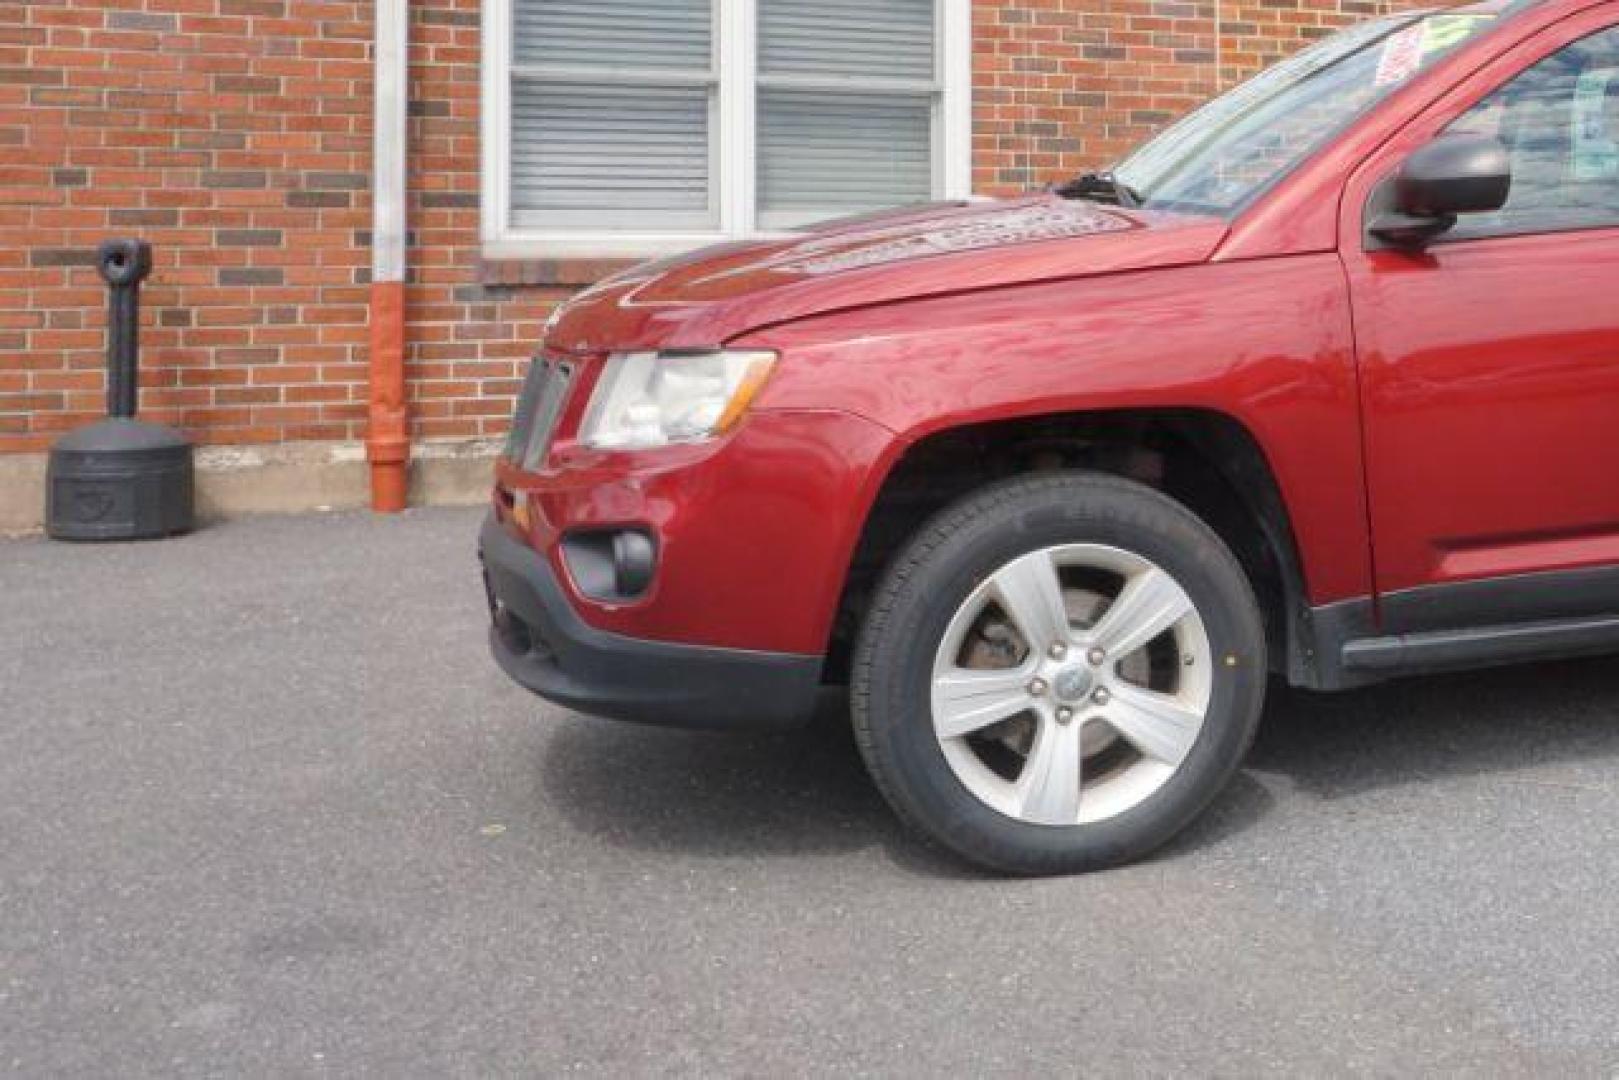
{"x":1453,"y":175}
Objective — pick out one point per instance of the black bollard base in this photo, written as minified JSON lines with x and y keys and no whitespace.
{"x":120,"y":479}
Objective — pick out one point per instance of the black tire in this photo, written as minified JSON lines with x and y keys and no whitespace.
{"x":935,"y":573}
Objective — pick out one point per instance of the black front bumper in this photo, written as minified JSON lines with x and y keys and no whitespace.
{"x":540,"y":641}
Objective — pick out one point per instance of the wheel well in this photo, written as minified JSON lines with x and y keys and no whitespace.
{"x":1204,"y":460}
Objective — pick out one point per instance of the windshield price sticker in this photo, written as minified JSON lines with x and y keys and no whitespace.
{"x":1402,"y":55}
{"x":1405,"y":53}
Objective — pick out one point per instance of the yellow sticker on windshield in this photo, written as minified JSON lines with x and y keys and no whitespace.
{"x":1443,"y":32}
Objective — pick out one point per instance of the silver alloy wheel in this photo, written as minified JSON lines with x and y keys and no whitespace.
{"x":1071,"y":684}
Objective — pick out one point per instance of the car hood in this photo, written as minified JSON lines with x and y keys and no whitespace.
{"x":709,"y":297}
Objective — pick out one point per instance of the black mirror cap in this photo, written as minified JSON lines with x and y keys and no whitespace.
{"x":1454,"y":174}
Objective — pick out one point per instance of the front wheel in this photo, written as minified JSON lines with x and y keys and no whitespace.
{"x":1058,"y":674}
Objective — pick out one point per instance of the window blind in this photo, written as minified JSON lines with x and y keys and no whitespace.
{"x":615,"y":33}
{"x":893,"y":39}
{"x":614,"y":120}
{"x":609,"y":156}
{"x":824,"y":154}
{"x":848,"y":90}
{"x":612,"y":107}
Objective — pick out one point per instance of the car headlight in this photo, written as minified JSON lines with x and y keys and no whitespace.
{"x":647,"y":399}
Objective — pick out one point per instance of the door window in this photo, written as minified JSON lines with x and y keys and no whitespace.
{"x":1559,"y":120}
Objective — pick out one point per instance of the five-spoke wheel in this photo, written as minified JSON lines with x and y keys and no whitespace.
{"x":1058,"y":673}
{"x":1071,"y":684}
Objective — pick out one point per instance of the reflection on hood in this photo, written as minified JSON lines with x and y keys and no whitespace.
{"x":1015,"y":225}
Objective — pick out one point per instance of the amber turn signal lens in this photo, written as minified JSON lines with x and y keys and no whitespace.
{"x":754,"y":381}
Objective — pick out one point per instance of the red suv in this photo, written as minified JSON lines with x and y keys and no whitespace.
{"x":1321,"y":383}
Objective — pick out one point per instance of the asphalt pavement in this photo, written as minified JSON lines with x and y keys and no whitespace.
{"x":268,"y":809}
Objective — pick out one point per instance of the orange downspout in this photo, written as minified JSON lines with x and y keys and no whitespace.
{"x":387,"y":438}
{"x":387,"y":443}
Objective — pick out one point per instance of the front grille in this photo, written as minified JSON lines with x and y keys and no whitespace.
{"x":539,"y":407}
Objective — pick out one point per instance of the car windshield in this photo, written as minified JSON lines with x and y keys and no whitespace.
{"x":1219,"y":158}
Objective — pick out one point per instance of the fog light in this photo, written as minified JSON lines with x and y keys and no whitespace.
{"x":634,"y":559}
{"x":611,"y":566}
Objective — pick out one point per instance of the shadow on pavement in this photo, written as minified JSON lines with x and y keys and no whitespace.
{"x":1423,"y":729}
{"x":806,"y":793}
{"x":800,"y":794}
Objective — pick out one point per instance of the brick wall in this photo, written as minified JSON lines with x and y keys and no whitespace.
{"x":1066,"y":85}
{"x":235,"y":134}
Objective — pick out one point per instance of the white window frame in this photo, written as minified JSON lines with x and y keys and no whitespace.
{"x":734,"y":180}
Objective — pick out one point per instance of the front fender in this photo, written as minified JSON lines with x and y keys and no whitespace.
{"x":1268,"y":343}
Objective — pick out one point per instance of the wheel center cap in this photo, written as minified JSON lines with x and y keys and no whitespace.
{"x":1073,"y":684}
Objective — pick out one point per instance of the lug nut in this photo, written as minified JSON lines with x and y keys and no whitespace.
{"x":1058,"y":650}
{"x":1096,"y":656}
{"x":1038,"y":687}
{"x":1101,"y":697}
{"x":1064,"y":715}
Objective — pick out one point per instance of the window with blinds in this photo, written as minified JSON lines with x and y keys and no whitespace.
{"x":848,"y":92}
{"x":701,"y":119}
{"x":612,"y":115}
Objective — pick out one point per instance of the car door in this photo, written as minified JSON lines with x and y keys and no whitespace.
{"x":1489,"y":362}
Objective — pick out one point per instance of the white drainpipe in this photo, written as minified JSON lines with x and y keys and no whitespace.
{"x":388,"y":438}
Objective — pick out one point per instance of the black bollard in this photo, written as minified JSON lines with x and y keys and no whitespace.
{"x":120,"y":479}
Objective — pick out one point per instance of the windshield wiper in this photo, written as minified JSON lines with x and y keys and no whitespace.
{"x":1099,"y":187}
